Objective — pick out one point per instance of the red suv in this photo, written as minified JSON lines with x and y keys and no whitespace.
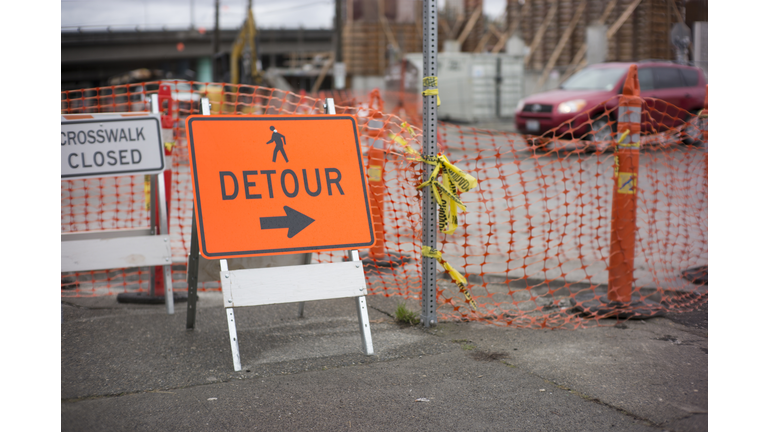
{"x":580,"y":97}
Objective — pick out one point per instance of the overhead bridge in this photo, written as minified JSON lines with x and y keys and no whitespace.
{"x":91,"y":57}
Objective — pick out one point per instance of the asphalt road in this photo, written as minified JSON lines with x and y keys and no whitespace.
{"x":133,"y":367}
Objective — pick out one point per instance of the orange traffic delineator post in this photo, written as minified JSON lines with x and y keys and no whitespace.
{"x":619,"y":300}
{"x":624,"y":209}
{"x":376,"y":182}
{"x":373,"y":131}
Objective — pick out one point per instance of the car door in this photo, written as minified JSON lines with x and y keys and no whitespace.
{"x":668,"y":86}
{"x":693,"y":93}
{"x":645,"y":79}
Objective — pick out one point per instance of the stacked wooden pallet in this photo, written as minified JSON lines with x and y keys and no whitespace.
{"x":554,"y":30}
{"x":639,"y":29}
{"x":365,"y":45}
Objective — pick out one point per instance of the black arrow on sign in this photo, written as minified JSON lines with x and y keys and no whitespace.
{"x":293,"y":220}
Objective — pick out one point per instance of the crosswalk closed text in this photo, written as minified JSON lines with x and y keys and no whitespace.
{"x":110,"y":145}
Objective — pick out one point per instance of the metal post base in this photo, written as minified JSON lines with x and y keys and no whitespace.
{"x":146,"y":298}
{"x":656,"y":304}
{"x":601,"y":307}
{"x":697,"y":275}
{"x":69,"y":282}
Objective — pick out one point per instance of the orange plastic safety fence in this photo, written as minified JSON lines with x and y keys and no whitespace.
{"x":123,"y":202}
{"x":533,"y":243}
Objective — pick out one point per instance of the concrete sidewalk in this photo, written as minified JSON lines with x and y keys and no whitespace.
{"x":133,"y":368}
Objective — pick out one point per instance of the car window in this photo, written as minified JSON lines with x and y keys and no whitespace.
{"x":645,"y":77}
{"x":594,"y":79}
{"x":690,"y":77}
{"x":665,"y":77}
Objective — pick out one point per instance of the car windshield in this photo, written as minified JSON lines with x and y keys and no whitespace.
{"x":594,"y":79}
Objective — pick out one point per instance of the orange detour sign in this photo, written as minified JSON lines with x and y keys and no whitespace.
{"x":275,"y":185}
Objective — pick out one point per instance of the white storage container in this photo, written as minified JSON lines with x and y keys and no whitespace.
{"x":475,"y":87}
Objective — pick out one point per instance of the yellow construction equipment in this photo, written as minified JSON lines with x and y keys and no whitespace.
{"x":247,"y":35}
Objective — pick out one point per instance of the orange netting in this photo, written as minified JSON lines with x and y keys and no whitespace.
{"x":533,"y":244}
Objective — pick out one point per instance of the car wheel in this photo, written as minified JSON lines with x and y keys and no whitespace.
{"x":691,"y":133}
{"x":600,"y":133}
{"x":599,"y":130}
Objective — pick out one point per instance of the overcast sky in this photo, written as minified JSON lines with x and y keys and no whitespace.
{"x":182,"y":13}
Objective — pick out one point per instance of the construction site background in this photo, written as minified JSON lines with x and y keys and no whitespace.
{"x":550,"y":34}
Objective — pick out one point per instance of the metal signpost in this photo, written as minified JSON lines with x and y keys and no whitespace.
{"x":429,"y":148}
{"x":267,"y":185}
{"x":104,"y":145}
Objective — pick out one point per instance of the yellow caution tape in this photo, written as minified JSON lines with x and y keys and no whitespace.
{"x":457,"y":277}
{"x":432,"y":92}
{"x":147,"y":192}
{"x":616,"y":155}
{"x":630,"y":145}
{"x":450,"y":218}
{"x":408,"y":149}
{"x":463,"y":181}
{"x":400,"y":140}
{"x":446,"y":193}
{"x":405,"y":125}
{"x":169,"y":146}
{"x":623,"y":136}
{"x":431,"y":81}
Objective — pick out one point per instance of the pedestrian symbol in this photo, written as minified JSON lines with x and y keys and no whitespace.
{"x":279,"y":140}
{"x":627,"y":183}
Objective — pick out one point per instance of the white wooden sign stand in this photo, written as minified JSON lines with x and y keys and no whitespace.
{"x":121,"y":248}
{"x":291,"y":284}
